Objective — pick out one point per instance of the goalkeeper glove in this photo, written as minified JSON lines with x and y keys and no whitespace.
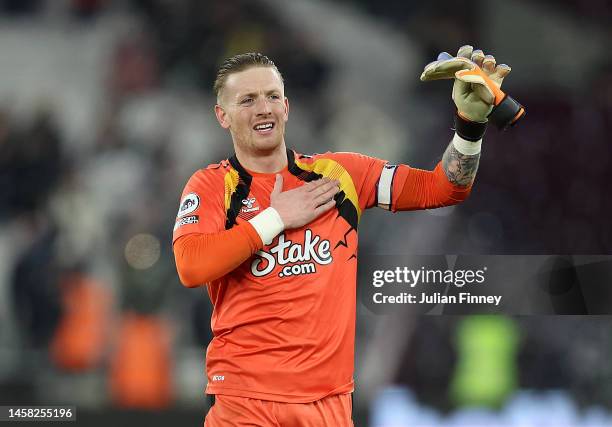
{"x":476,"y":89}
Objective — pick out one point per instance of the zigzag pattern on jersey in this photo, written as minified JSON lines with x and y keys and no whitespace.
{"x":237,"y":187}
{"x":347,"y":201}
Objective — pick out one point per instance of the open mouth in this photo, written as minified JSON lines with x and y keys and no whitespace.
{"x":264,"y":128}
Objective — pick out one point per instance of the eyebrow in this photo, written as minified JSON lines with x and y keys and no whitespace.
{"x":253,"y":94}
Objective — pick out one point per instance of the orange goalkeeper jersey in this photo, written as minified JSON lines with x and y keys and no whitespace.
{"x":284,"y":320}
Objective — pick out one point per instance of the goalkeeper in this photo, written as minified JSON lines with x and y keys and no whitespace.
{"x":272,"y":233}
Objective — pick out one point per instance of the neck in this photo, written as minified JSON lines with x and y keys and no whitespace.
{"x":263,"y":161}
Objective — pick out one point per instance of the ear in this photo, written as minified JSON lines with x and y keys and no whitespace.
{"x":222,"y":117}
{"x":286,"y":108}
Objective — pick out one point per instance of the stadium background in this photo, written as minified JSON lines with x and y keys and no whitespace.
{"x":106,"y":110}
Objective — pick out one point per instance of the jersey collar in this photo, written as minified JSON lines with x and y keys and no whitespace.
{"x":244,"y":173}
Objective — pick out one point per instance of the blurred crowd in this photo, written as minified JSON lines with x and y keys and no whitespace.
{"x":92,"y":167}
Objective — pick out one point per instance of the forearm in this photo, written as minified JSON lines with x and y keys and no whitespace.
{"x":460,"y":161}
{"x":448,"y":184}
{"x":422,"y":189}
{"x":201,"y":258}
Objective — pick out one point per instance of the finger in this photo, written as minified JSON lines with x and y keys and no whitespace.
{"x":326,"y":196}
{"x":446,"y":69}
{"x":308,"y":185}
{"x":477,"y":57}
{"x":444,"y":56}
{"x":465,"y":51}
{"x":278,"y":185}
{"x":325,"y":207}
{"x":324,"y":192}
{"x":488,"y":64}
{"x":501,"y":71}
{"x":317,"y":184}
{"x":334,"y":183}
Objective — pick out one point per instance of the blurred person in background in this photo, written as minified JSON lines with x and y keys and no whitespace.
{"x":273,"y":234}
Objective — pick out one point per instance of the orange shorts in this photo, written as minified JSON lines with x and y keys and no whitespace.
{"x":230,"y":411}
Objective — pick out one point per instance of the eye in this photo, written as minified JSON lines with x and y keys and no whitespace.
{"x":275,"y":97}
{"x":246,"y":101}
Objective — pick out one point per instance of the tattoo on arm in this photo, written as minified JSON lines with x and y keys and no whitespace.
{"x":460,"y":169}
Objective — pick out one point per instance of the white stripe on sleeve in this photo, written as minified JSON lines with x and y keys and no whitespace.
{"x":385,"y":186}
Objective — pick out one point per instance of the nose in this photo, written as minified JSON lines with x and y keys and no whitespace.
{"x":263,"y":107}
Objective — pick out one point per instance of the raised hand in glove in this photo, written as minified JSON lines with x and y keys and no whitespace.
{"x":476,"y":89}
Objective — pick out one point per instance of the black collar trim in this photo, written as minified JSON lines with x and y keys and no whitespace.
{"x":244,"y":173}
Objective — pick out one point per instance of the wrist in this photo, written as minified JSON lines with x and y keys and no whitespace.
{"x":268,"y":225}
{"x":468,"y":129}
{"x":468,"y":148}
{"x":506,"y":113}
{"x":470,"y":118}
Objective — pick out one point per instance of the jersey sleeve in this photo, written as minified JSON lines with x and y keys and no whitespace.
{"x":201,"y":258}
{"x":399,"y":187}
{"x":411,"y":188}
{"x":201,"y":209}
{"x":365,"y":171}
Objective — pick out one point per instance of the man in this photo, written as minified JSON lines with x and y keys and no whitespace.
{"x":273,"y":235}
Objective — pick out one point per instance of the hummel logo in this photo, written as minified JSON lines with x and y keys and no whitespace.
{"x":248,"y":205}
{"x":248,"y":202}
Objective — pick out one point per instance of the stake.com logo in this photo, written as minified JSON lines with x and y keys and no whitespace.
{"x":303,"y":258}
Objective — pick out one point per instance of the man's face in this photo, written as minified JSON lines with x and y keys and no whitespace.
{"x":253,"y":107}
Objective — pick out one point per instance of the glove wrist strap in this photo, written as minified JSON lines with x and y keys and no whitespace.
{"x":468,"y":130}
{"x":506,"y":113}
